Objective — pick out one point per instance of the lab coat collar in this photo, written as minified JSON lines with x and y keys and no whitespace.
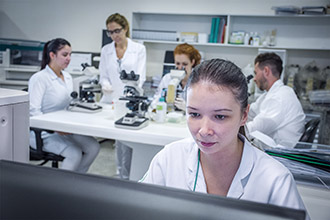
{"x":112,"y":49}
{"x":236,"y":189}
{"x":53,"y":75}
{"x":277,"y":84}
{"x":192,"y":170}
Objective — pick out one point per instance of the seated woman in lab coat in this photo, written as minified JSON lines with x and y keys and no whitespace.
{"x":50,"y":91}
{"x":186,"y":57}
{"x":218,"y":159}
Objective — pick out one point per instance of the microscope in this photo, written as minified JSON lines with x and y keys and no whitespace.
{"x":137,"y":104}
{"x":176,"y":77}
{"x":85,"y":88}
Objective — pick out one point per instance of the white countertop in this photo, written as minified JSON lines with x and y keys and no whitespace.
{"x":101,"y":124}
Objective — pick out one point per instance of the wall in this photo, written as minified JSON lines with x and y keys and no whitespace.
{"x":81,"y":21}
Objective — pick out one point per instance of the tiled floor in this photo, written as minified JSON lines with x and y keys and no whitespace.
{"x":105,"y":162}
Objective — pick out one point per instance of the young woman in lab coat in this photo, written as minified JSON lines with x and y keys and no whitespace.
{"x":218,"y":159}
{"x":121,"y":54}
{"x":49,"y":91}
{"x":186,"y":57}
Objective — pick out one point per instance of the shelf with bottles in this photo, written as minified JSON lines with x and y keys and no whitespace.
{"x":287,"y":32}
{"x":303,"y":32}
{"x":229,"y":45}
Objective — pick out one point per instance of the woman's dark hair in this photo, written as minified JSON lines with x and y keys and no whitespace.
{"x":222,"y":73}
{"x":119,"y":19}
{"x":52,"y":46}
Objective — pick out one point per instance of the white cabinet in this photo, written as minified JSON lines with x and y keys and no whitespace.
{"x":14,"y":125}
{"x":305,"y":37}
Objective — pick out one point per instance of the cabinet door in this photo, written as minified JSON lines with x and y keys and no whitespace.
{"x":6,"y":132}
{"x":21,"y":132}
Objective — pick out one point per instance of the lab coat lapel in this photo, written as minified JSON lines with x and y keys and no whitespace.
{"x":192,"y":169}
{"x":129,"y":50}
{"x":236,"y":189}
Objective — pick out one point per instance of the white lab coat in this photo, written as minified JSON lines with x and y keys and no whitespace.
{"x":259,"y":177}
{"x":49,"y":93}
{"x":163,"y":85}
{"x":134,"y":59}
{"x":278,"y":114}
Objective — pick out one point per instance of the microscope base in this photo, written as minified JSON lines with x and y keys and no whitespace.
{"x":136,"y":125}
{"x":84,"y":107}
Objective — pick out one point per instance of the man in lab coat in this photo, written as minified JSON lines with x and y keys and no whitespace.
{"x":278,"y":112}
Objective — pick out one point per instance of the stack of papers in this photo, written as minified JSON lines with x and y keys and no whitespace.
{"x":155,"y":35}
{"x":313,"y":10}
{"x":284,"y":10}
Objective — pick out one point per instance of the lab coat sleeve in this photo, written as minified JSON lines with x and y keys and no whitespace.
{"x":104,"y":75}
{"x":163,"y":84}
{"x":285,"y":194}
{"x":270,"y":116}
{"x":37,"y":88}
{"x":156,"y":173}
{"x":142,"y":65}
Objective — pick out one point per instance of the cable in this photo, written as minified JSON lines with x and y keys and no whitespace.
{"x":199,"y":157}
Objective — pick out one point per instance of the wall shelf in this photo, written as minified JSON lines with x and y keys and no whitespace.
{"x":231,"y":45}
{"x":304,"y":37}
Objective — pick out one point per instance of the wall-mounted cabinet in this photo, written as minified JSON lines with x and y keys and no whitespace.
{"x":305,"y":37}
{"x":19,"y":59}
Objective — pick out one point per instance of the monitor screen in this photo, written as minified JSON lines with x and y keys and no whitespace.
{"x":34,"y":192}
{"x":105,"y":38}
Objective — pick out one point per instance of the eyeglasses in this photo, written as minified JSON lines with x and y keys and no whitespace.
{"x":116,"y":31}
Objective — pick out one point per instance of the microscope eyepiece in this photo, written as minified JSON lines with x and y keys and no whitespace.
{"x":123,"y":75}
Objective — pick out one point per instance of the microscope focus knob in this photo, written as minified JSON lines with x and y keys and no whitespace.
{"x":74,"y":94}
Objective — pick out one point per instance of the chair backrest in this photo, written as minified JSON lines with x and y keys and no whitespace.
{"x":40,"y":154}
{"x":310,"y":130}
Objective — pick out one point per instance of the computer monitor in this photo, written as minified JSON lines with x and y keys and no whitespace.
{"x":34,"y":192}
{"x":105,"y":39}
{"x":168,"y":62}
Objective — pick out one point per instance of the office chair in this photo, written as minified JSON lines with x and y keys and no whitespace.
{"x":310,"y":130}
{"x":40,"y":154}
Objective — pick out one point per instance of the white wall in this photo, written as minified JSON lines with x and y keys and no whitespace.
{"x":81,"y":21}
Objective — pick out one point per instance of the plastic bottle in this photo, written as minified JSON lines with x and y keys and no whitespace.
{"x":246,"y":38}
{"x":256,"y":39}
{"x":161,"y":109}
{"x":293,"y":70}
{"x":251,"y":39}
{"x":326,"y":73}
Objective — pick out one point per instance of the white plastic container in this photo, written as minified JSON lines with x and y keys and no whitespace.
{"x":161,"y":109}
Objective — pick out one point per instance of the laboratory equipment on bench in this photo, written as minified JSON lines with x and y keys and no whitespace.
{"x":85,"y":88}
{"x":176,"y":77}
{"x":136,"y":103}
{"x":87,"y":104}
